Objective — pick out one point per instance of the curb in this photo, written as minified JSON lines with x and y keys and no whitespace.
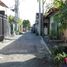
{"x":44,"y":44}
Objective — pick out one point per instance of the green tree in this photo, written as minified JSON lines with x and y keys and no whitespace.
{"x":61,"y":16}
{"x":26,"y":24}
{"x":10,"y":19}
{"x":19,"y":21}
{"x":58,"y":3}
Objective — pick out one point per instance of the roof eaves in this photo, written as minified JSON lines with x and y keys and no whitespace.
{"x":3,"y":4}
{"x":52,"y":11}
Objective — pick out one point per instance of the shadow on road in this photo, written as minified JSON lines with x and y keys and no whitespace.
{"x":30,"y":63}
{"x":26,"y":44}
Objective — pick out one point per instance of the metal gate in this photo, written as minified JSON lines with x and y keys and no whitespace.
{"x":1,"y":28}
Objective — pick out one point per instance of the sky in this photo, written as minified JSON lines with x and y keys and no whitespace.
{"x":27,"y":8}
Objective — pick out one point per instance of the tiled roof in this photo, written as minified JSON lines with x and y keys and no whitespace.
{"x":51,"y":11}
{"x":2,"y":4}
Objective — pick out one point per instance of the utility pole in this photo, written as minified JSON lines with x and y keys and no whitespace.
{"x":42,"y":24}
{"x":41,"y":12}
{"x":16,"y":9}
{"x":16,"y":14}
{"x":39,"y":17}
{"x":43,"y":2}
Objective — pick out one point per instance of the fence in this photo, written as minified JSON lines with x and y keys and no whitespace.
{"x":4,"y":27}
{"x":1,"y":28}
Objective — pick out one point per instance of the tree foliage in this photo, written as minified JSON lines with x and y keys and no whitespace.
{"x":19,"y":21}
{"x":26,"y":24}
{"x":58,"y":3}
{"x":61,"y":16}
{"x":10,"y":19}
{"x":59,"y":26}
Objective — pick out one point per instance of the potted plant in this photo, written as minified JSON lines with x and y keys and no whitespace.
{"x":59,"y":57}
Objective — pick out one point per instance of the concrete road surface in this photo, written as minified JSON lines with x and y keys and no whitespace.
{"x":27,"y":43}
{"x":22,"y":53}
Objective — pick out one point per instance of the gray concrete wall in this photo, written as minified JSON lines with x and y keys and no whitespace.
{"x":6,"y":28}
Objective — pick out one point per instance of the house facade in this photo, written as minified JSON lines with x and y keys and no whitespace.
{"x":38,"y":26}
{"x":46,"y":24}
{"x":49,"y":24}
{"x":4,"y":24}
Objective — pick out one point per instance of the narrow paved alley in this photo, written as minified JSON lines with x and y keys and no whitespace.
{"x":27,"y":43}
{"x":22,"y":52}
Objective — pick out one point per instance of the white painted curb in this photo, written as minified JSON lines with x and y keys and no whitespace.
{"x":44,"y":44}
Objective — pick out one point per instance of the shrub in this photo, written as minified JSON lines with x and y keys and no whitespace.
{"x":59,"y":55}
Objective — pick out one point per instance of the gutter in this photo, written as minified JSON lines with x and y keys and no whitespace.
{"x":45,"y":45}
